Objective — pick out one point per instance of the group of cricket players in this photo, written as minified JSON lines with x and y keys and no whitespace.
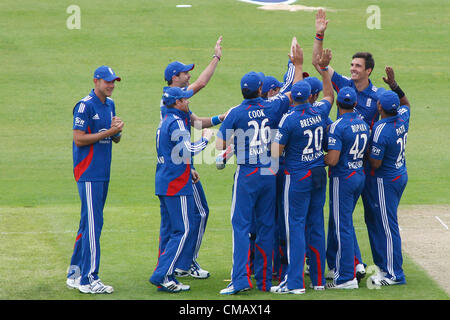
{"x":287,"y":150}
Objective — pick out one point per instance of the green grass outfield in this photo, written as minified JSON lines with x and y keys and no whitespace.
{"x":46,"y":68}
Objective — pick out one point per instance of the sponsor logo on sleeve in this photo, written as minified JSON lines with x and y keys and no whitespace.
{"x":79,"y":122}
{"x":376,"y":151}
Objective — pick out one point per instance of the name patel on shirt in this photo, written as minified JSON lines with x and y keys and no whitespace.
{"x":310,"y":121}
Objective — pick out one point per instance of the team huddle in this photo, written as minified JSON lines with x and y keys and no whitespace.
{"x":283,"y":140}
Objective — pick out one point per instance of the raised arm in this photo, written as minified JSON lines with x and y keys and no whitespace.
{"x":206,"y":75}
{"x":390,"y":80}
{"x":322,"y":67}
{"x":296,"y":57}
{"x":321,"y":26}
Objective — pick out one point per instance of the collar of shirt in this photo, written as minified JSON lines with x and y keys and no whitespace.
{"x":97,"y":100}
{"x":301,"y":107}
{"x":389,"y":119}
{"x":183,"y":115}
{"x":351,"y":115}
{"x":253,"y":101}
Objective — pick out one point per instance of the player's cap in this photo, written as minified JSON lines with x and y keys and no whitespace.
{"x":171,"y":95}
{"x":261,"y":76}
{"x":347,"y":96}
{"x":105,"y":73}
{"x":301,"y":91}
{"x":251,"y":81}
{"x":175,"y":68}
{"x":270,"y":83}
{"x":388,"y":99}
{"x":316,"y":84}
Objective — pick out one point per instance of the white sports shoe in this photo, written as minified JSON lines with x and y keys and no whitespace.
{"x":284,"y":289}
{"x":230,"y":290}
{"x":183,"y":287}
{"x":381,"y":279}
{"x":73,"y":283}
{"x":96,"y":287}
{"x":197,"y":272}
{"x":351,"y":284}
{"x":169,"y":286}
{"x":181,"y":273}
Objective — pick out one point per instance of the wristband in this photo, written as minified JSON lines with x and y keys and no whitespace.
{"x":215,"y":120}
{"x":216,"y":56}
{"x":324,"y":69}
{"x":319,"y":36}
{"x":399,"y":92}
{"x":117,"y":135}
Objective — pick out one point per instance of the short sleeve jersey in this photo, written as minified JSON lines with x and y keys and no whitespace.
{"x":366,"y":100}
{"x":251,"y":125}
{"x":388,"y":142}
{"x":301,"y":131}
{"x":350,"y":135}
{"x":91,"y":115}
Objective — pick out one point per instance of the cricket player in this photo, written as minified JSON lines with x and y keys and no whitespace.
{"x":249,"y":126}
{"x":95,"y":126}
{"x":385,"y":184}
{"x":347,"y":143}
{"x":173,"y":185}
{"x":300,"y":135}
{"x":177,"y":75}
{"x":361,"y":67}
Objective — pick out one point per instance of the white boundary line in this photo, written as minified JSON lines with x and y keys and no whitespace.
{"x":445,"y":226}
{"x":261,"y":3}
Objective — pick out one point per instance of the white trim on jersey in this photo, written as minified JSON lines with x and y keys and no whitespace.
{"x":87,"y":98}
{"x":334,"y":124}
{"x":377,"y":132}
{"x":233,"y":207}
{"x":81,"y":108}
{"x":387,"y":229}
{"x":203,"y":216}
{"x":280,"y":124}
{"x":336,"y":224}
{"x":184,"y":214}
{"x":289,"y":77}
{"x":91,"y":229}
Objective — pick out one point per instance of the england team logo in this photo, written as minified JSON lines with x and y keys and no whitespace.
{"x":267,"y":2}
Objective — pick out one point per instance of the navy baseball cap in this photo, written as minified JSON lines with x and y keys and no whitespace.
{"x":388,"y":99}
{"x":301,"y":91}
{"x":316,"y":84}
{"x":175,"y":68}
{"x":251,"y":81}
{"x":171,"y":95}
{"x":270,"y":83}
{"x":105,"y":73}
{"x":347,"y":96}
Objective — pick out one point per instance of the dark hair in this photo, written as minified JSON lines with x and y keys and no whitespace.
{"x":169,"y":82}
{"x":247,"y":94}
{"x":367,"y":56}
{"x":344,"y":106}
